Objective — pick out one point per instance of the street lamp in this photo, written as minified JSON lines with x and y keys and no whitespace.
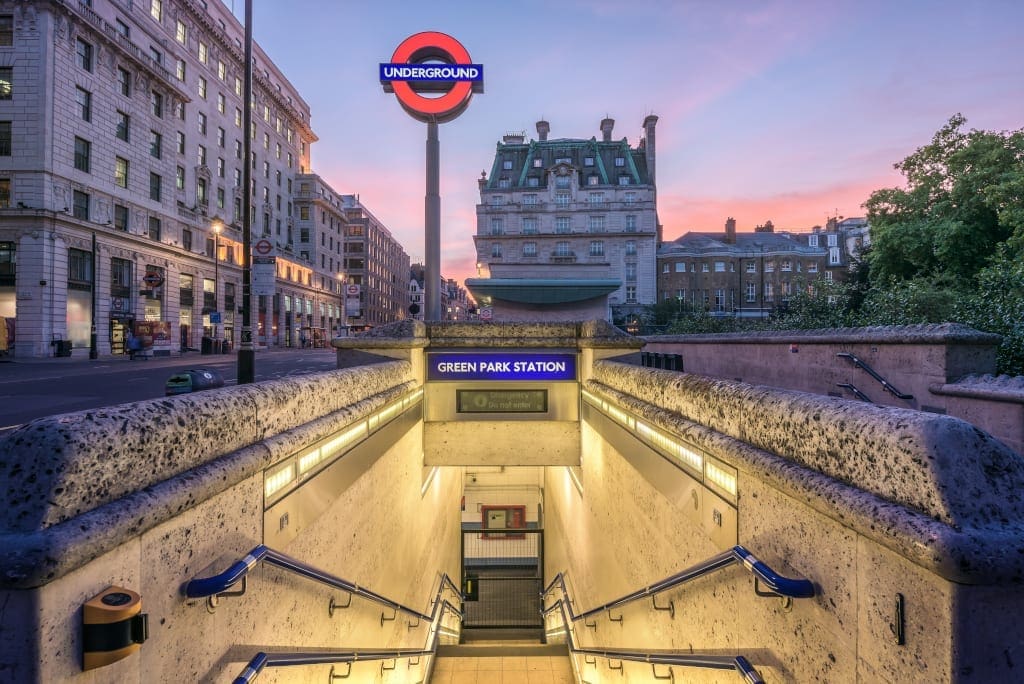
{"x":217,"y":226}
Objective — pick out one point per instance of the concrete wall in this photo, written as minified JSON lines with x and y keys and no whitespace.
{"x":150,"y":495}
{"x":866,"y":502}
{"x":946,"y":368}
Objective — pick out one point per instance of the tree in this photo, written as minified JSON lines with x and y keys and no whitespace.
{"x":963,"y":198}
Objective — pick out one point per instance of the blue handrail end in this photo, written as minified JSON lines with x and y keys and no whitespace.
{"x":749,"y":672}
{"x":253,"y":669}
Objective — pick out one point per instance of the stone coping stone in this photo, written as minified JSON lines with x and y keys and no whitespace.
{"x":593,"y":334}
{"x":59,"y":467}
{"x":930,"y":333}
{"x":1004,"y":388}
{"x":942,"y":466}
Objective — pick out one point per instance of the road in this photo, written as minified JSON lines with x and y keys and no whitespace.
{"x":33,"y":388}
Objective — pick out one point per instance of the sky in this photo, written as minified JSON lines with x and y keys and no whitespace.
{"x":783,"y":111}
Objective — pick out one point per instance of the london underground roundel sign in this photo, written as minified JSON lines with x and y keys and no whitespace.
{"x":432,"y":62}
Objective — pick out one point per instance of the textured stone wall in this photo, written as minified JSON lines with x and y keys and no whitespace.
{"x":867,"y":502}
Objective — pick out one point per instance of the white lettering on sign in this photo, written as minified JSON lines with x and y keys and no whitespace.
{"x":502,"y":367}
{"x":539,"y":366}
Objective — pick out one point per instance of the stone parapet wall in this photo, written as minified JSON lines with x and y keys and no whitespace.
{"x":83,"y":482}
{"x":932,"y":366}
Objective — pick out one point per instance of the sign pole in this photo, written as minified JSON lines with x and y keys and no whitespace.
{"x":247,"y":353}
{"x":432,"y":226}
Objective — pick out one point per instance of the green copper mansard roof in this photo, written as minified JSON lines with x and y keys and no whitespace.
{"x":541,"y":290}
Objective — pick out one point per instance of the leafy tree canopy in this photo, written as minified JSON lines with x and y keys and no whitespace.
{"x":964,"y":197}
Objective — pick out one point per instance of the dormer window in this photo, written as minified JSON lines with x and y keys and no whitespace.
{"x":588,"y":161}
{"x":562,"y":182}
{"x":507,"y":164}
{"x":620,"y":161}
{"x":592,"y":180}
{"x":537,"y":163}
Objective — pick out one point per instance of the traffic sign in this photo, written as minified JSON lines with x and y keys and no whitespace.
{"x":263,"y":247}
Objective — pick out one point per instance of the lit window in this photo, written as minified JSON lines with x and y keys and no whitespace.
{"x":179,"y":69}
{"x":202,"y":87}
{"x":6,"y":82}
{"x":222,"y":70}
{"x":204,"y":53}
{"x":180,"y":32}
{"x":156,"y":9}
{"x":120,"y":172}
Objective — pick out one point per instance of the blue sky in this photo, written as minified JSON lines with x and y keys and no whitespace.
{"x":788,"y":111}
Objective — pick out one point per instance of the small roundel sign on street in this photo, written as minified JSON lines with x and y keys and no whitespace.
{"x":263,"y":247}
{"x":432,"y":62}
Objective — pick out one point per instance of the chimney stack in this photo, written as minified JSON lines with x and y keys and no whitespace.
{"x":606,"y":129}
{"x":543,"y":128}
{"x":730,"y":231}
{"x":650,"y":122}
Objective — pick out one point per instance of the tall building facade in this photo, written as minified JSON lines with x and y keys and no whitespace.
{"x":376,"y":267}
{"x":750,"y":275}
{"x":121,"y":149}
{"x":568,"y":223}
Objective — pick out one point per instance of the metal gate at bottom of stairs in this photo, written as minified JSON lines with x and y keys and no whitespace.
{"x":502,"y":577}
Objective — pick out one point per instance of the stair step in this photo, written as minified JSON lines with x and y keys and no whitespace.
{"x":500,"y":649}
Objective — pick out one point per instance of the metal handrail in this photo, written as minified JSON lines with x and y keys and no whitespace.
{"x":776,"y":583}
{"x":713,"y":662}
{"x":858,"y":363}
{"x":220,"y":583}
{"x":856,"y":392}
{"x":264,"y":660}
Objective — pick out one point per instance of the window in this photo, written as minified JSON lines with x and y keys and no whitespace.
{"x":155,"y":183}
{"x":529,"y":199}
{"x":833,"y":256}
{"x":631,"y":294}
{"x":751,"y":267}
{"x":156,"y":144}
{"x":220,"y":137}
{"x":596,"y":248}
{"x":588,"y":161}
{"x":496,"y":250}
{"x":266,"y":112}
{"x":79,"y":266}
{"x":179,"y":69}
{"x":202,"y":123}
{"x":120,"y":277}
{"x":222,"y":70}
{"x":562,"y":249}
{"x":769,"y":266}
{"x":529,"y":226}
{"x":156,"y":100}
{"x":664,"y":268}
{"x":562,"y":198}
{"x":562,"y":182}
{"x":812,"y":240}
{"x":786,"y":265}
{"x":529,"y":249}
{"x":238,"y":117}
{"x":620,"y":161}
{"x":596,"y":198}
{"x":497,"y":226}
{"x":266,"y":169}
{"x":123,"y":126}
{"x":202,"y":87}
{"x":6,"y":82}
{"x":120,"y":172}
{"x":833,"y":240}
{"x":186,"y":244}
{"x":180,"y":142}
{"x":156,"y":9}
{"x":154,"y":228}
{"x":80,"y":206}
{"x":179,"y":177}
{"x":201,"y":155}
{"x":507,"y":164}
{"x":719,"y":267}
{"x":719,"y":300}
{"x":277,"y":150}
{"x":562,"y":225}
{"x":220,"y":198}
{"x":83,"y":100}
{"x":497,"y":200}
{"x":157,"y":56}
{"x":180,"y":32}
{"x":82,"y":153}
{"x":751,"y":292}
{"x":828,"y":276}
{"x":266,"y":141}
{"x":504,"y":182}
{"x":238,"y":178}
{"x":631,"y":272}
{"x":304,"y":213}
{"x":537,"y":163}
{"x":220,"y":167}
{"x":6,"y":30}
{"x":238,"y":92}
{"x":631,"y":250}
{"x":787,"y":288}
{"x":5,"y":138}
{"x":680,"y":267}
{"x":201,"y":197}
{"x":681,"y":295}
{"x":704,"y":267}
{"x":630,"y":224}
{"x":204,"y":53}
{"x":624,"y":180}
{"x":592,"y":180}
{"x":83,"y":54}
{"x":221,"y":105}
{"x":238,"y":149}
{"x":124,"y":82}
{"x":812,"y":267}
{"x":769,"y":292}
{"x":120,"y":217}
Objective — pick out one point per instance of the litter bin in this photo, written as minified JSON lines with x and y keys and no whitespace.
{"x":206,"y":345}
{"x":61,"y":347}
{"x":193,"y":380}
